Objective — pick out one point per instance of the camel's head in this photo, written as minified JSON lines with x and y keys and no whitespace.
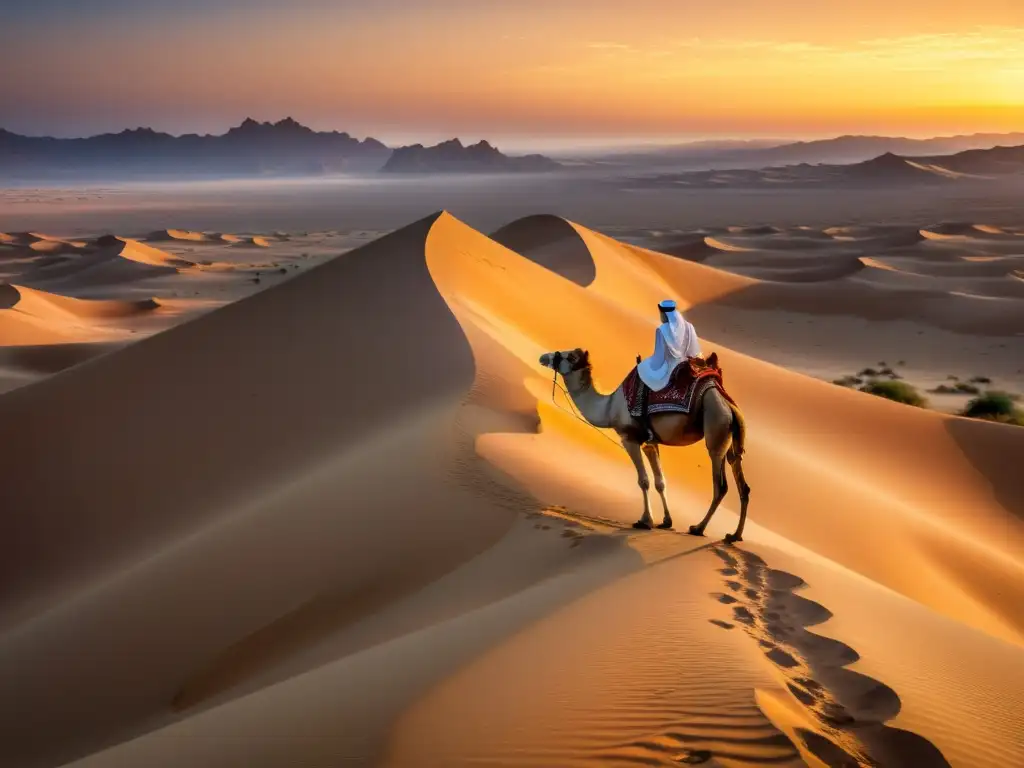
{"x":566,"y":362}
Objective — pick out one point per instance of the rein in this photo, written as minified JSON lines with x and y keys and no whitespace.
{"x":575,"y":411}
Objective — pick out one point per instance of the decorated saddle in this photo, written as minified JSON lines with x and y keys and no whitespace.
{"x":690,"y":380}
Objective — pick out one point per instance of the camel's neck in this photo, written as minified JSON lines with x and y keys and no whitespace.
{"x":595,"y":407}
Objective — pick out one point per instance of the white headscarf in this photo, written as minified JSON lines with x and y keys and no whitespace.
{"x":675,"y":340}
{"x":680,"y":337}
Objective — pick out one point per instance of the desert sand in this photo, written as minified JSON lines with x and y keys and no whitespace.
{"x":306,"y":498}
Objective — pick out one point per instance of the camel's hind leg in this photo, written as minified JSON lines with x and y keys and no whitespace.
{"x":717,"y":438}
{"x":741,"y":485}
{"x":654,"y":459}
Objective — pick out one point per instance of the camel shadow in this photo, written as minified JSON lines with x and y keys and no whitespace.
{"x":851,"y":708}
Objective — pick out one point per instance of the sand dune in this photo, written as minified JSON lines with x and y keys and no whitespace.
{"x":307,"y":528}
{"x":31,"y":317}
{"x":834,"y":269}
{"x":968,"y":267}
{"x":39,"y":243}
{"x":166,"y":235}
{"x":944,"y":277}
{"x":132,"y":250}
{"x":188,"y":236}
{"x":108,"y":260}
{"x":948,"y":309}
{"x":723,"y":244}
{"x":701,"y":248}
{"x":759,"y":230}
{"x":52,"y":306}
{"x":972,"y":230}
{"x":240,"y":241}
{"x":551,"y":242}
{"x":693,"y":248}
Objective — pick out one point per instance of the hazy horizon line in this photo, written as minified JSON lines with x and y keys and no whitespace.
{"x":535,"y":142}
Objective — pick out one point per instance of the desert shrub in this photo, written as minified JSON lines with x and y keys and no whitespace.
{"x":943,"y":389}
{"x":981,"y":380}
{"x":899,"y":391}
{"x":868,"y":372}
{"x":995,"y":406}
{"x":848,"y":381}
{"x":966,"y":389}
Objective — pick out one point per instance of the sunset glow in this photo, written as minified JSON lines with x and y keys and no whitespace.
{"x":559,"y":69}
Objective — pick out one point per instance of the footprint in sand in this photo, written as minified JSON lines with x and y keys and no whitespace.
{"x":827,"y":752}
{"x":743,"y":615}
{"x":806,"y":698}
{"x":783,"y":659}
{"x":694,"y":757}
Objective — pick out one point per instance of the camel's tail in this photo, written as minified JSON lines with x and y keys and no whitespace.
{"x":738,"y":429}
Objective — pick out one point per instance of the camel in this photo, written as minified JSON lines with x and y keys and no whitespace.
{"x":717,"y":421}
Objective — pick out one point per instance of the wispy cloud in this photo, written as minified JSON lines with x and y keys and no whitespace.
{"x":915,"y":52}
{"x":604,"y":45}
{"x":937,"y":52}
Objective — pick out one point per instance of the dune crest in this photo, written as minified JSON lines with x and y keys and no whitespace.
{"x":134,"y":250}
{"x":165,"y":235}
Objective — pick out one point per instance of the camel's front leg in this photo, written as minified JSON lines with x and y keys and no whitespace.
{"x":645,"y":522}
{"x":653,"y":455}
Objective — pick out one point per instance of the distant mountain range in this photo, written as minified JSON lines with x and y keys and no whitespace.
{"x":888,"y":169}
{"x":452,"y":156}
{"x":285,"y":148}
{"x":854,"y":149}
{"x":839,"y":150}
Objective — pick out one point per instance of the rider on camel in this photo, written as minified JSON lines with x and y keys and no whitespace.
{"x":675,"y":340}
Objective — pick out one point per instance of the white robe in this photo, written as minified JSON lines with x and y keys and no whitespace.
{"x":674,"y":341}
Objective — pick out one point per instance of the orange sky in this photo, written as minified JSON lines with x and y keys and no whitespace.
{"x":537,"y":68}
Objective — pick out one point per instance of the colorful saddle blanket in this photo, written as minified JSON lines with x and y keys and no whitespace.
{"x":690,"y":380}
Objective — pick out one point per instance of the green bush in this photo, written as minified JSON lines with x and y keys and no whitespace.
{"x":899,"y":391}
{"x":995,"y":406}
